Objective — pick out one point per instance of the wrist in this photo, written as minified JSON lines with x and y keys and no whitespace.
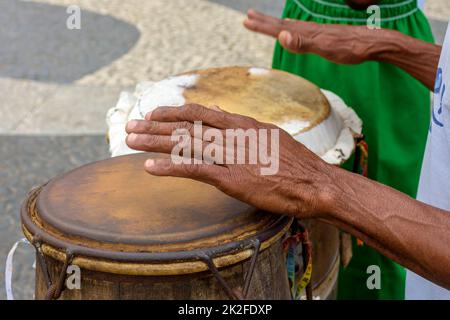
{"x":388,"y":45}
{"x":329,"y":192}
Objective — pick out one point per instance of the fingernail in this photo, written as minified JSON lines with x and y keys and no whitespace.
{"x":249,"y":23}
{"x":131,"y":125}
{"x":131,"y":137}
{"x":148,"y":115}
{"x":288,"y":37}
{"x":149,"y":163}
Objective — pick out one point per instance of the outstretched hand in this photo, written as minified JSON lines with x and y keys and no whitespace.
{"x":337,"y":43}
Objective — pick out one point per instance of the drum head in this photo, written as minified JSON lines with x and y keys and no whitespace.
{"x":113,"y":207}
{"x":318,"y":119}
{"x":272,"y":96}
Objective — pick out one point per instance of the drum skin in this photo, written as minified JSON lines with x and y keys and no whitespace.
{"x":274,"y":97}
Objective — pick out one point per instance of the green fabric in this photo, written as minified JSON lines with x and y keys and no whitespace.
{"x":393,"y":106}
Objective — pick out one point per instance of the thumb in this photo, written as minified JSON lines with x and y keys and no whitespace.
{"x":217,"y":108}
{"x":293,"y":42}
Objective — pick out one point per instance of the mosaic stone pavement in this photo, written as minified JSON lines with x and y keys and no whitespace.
{"x":56,"y":84}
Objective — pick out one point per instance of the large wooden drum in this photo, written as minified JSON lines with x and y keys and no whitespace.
{"x":136,"y":236}
{"x":317,"y":118}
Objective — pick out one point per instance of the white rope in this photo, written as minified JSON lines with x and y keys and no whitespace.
{"x":9,"y":268}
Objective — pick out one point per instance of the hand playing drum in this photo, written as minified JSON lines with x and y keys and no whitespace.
{"x":306,"y":180}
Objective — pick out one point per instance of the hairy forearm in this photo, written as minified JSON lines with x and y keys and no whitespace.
{"x":419,"y":58}
{"x":410,"y":232}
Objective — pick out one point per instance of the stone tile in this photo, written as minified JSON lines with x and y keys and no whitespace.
{"x":37,"y":45}
{"x":175,"y":36}
{"x":20,"y":99}
{"x":439,"y":28}
{"x":71,"y":110}
{"x":25,"y":162}
{"x":437,"y":9}
{"x":272,"y":7}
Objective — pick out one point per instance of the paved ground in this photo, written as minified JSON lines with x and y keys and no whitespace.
{"x":25,"y":162}
{"x":56,"y":84}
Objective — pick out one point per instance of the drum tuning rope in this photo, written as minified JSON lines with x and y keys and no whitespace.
{"x":248,"y":276}
{"x":235,"y":294}
{"x":40,"y":259}
{"x":54,"y":290}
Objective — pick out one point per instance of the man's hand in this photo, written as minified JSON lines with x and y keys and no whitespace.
{"x":351,"y":44}
{"x":297,"y":188}
{"x":337,"y":43}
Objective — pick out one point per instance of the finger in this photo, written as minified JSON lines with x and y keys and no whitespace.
{"x":150,"y":143}
{"x":216,"y":108}
{"x":160,"y":128}
{"x":211,"y":174}
{"x":256,"y":15}
{"x":156,"y":128}
{"x":195,"y":112}
{"x":176,"y":145}
{"x":294,"y":42}
{"x":266,"y":28}
{"x":166,"y":144}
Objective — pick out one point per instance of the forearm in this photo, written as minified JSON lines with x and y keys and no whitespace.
{"x":345,"y":44}
{"x":419,"y":58}
{"x":409,"y":232}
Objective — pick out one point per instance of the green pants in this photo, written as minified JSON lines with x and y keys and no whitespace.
{"x":394,"y":108}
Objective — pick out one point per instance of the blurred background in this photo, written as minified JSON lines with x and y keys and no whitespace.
{"x":56,"y":84}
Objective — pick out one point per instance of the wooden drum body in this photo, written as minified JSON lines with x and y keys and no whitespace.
{"x":269,"y":281}
{"x":137,"y":236}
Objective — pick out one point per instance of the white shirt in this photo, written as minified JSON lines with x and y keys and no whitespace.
{"x":434,"y":185}
{"x":421,"y":4}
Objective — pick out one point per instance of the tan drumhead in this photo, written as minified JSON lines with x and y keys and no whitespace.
{"x":111,"y":208}
{"x":270,"y":96}
{"x":318,"y":119}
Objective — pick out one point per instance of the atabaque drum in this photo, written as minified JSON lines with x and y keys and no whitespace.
{"x":317,"y":118}
{"x":137,"y":236}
